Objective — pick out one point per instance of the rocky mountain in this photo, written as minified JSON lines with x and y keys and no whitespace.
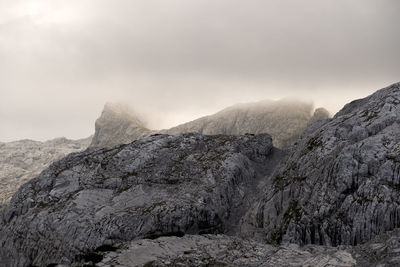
{"x":332,"y":199}
{"x":117,"y":125}
{"x":340,"y":182}
{"x":156,"y":186}
{"x":23,"y":160}
{"x":284,"y":120}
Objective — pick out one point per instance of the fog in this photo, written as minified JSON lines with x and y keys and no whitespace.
{"x":176,"y":60}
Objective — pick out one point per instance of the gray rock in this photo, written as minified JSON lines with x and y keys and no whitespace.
{"x":160,"y":185}
{"x":340,"y":183}
{"x":23,"y":160}
{"x":222,"y":250}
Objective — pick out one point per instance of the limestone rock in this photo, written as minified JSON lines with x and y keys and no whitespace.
{"x":340,"y":182}
{"x":160,"y":185}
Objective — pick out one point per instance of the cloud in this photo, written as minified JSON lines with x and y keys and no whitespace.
{"x":60,"y":60}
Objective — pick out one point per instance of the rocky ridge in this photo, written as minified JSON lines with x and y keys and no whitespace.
{"x":177,"y":200}
{"x":160,"y":185}
{"x":340,"y":182}
{"x":285,"y":120}
{"x":118,"y":124}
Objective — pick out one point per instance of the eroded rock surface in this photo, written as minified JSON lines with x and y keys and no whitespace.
{"x":160,"y":185}
{"x":23,"y":160}
{"x":340,"y":183}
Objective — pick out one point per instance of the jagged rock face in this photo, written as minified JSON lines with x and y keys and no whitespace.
{"x":118,"y":125}
{"x":23,"y":160}
{"x":284,"y":120}
{"x":222,"y":250}
{"x":159,"y":185}
{"x":340,"y":183}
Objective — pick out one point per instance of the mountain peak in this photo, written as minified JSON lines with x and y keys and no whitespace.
{"x":118,"y":124}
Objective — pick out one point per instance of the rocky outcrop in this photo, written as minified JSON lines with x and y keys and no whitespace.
{"x":118,"y":125}
{"x":284,"y":120}
{"x":160,"y":185}
{"x":340,"y":183}
{"x":23,"y":160}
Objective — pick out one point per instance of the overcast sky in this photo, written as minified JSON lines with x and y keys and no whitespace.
{"x":61,"y":60}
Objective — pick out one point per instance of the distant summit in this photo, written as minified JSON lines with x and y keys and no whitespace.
{"x":118,"y":124}
{"x":340,"y":182}
{"x":285,"y":120}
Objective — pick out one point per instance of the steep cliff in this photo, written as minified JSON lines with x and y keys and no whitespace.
{"x":118,"y":125}
{"x":340,"y":183}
